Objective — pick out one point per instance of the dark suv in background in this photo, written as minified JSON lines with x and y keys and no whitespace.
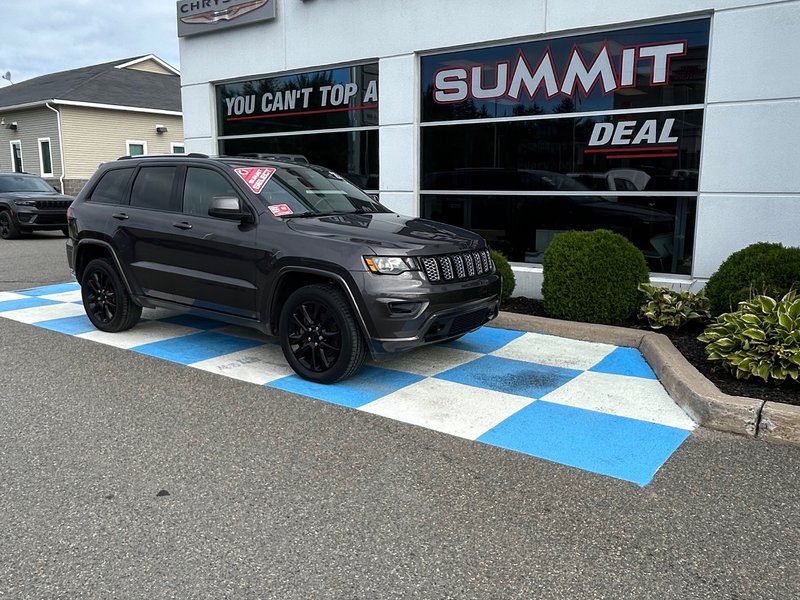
{"x":293,"y":250}
{"x":28,"y":203}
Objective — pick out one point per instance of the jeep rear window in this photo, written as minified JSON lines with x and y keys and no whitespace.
{"x":316,"y":191}
{"x":112,"y":187}
{"x":153,"y":189}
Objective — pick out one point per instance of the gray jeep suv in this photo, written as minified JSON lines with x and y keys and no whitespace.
{"x":292,"y":250}
{"x":28,"y":203}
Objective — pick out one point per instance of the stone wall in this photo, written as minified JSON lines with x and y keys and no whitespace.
{"x":71,"y":186}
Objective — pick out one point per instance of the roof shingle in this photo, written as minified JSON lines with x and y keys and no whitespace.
{"x":99,"y":84}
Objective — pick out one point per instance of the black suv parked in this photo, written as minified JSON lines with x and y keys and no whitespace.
{"x":28,"y":203}
{"x":292,"y":250}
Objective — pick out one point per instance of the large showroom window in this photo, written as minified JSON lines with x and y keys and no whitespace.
{"x":524,"y":141}
{"x":326,"y":117}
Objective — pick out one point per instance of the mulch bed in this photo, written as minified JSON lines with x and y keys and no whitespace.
{"x":686,"y":342}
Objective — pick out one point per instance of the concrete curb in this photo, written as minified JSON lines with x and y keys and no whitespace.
{"x":695,"y":394}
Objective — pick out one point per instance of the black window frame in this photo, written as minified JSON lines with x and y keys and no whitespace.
{"x":174,"y":199}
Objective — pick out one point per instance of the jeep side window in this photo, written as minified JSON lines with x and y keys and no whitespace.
{"x":112,"y":187}
{"x":153,"y":189}
{"x":202,"y":186}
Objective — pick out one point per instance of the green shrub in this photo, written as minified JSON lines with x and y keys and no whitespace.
{"x":762,"y":338}
{"x":760,"y":269}
{"x":509,"y":281}
{"x":592,"y":276}
{"x":664,"y":307}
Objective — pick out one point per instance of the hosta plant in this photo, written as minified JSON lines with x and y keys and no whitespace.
{"x":664,"y":307}
{"x":762,"y":338}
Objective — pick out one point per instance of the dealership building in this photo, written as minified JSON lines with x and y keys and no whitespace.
{"x":672,"y":122}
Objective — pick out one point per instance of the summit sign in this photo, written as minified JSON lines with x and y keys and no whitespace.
{"x":512,"y":80}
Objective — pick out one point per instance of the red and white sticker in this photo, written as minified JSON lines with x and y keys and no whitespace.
{"x":256,"y":177}
{"x":280,"y":210}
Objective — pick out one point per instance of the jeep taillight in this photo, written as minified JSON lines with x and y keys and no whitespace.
{"x":70,"y":213}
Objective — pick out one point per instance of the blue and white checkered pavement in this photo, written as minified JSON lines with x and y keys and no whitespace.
{"x":597,"y":407}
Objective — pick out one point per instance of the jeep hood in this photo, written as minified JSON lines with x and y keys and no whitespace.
{"x":34,"y":196}
{"x":388,"y":233}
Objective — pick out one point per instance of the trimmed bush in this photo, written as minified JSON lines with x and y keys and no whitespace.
{"x":664,"y":307}
{"x":762,"y":338}
{"x":509,"y":281}
{"x":593,"y":276}
{"x":760,"y":269}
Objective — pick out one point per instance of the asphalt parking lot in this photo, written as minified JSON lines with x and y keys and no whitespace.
{"x":270,"y":494}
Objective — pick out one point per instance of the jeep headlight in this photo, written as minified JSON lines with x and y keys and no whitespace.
{"x":25,"y":202}
{"x":391,"y":265}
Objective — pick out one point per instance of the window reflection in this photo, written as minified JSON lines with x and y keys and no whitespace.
{"x":522,"y":227}
{"x":352,"y":154}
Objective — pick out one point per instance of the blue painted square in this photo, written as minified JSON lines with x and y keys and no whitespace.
{"x":625,"y":361}
{"x":510,"y":376}
{"x":194,"y":322}
{"x":196,"y":347}
{"x":68,"y":325}
{"x":31,"y":302}
{"x":45,"y":290}
{"x":370,"y":383}
{"x":609,"y":445}
{"x":485,"y":340}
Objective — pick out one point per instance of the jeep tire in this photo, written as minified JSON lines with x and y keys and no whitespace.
{"x":319,"y":335}
{"x":105,"y":298}
{"x":8,"y":229}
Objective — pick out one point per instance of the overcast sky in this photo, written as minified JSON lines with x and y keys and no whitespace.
{"x":45,"y":36}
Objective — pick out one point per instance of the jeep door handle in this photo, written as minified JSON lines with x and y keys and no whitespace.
{"x":120,"y":216}
{"x":182,"y":225}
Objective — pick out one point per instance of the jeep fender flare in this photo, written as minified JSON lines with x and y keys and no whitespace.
{"x":339,"y":279}
{"x":82,"y":244}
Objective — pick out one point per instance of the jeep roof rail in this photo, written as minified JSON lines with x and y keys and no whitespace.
{"x":163,"y":155}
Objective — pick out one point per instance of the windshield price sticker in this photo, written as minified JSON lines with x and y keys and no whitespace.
{"x":256,"y":177}
{"x":279,"y":210}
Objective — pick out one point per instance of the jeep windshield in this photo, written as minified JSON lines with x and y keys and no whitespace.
{"x":301,"y":191}
{"x":23,"y":183}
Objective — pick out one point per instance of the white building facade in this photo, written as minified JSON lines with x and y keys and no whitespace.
{"x":672,"y":122}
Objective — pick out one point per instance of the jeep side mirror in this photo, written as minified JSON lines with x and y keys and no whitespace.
{"x":229,"y":207}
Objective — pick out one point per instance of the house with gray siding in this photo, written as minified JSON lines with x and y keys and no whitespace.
{"x":63,"y":125}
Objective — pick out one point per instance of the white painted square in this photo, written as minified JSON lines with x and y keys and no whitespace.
{"x":623,"y":396}
{"x":260,"y":365}
{"x":144,"y":332}
{"x":44,"y":313}
{"x":428,"y":361}
{"x":452,"y":408}
{"x":6,"y":296}
{"x":555,"y":351}
{"x":71,"y":296}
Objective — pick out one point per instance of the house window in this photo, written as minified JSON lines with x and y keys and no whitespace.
{"x":177,"y":148}
{"x":16,"y":156}
{"x":45,"y":158}
{"x":136,"y":147}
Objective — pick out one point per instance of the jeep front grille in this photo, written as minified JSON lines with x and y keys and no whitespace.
{"x":53,"y":203}
{"x":454,"y":267}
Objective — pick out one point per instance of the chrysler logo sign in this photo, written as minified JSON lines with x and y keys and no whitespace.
{"x":201,"y":16}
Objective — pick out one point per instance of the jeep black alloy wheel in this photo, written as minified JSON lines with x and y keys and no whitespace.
{"x":108,"y":304}
{"x":8,"y":231}
{"x":319,"y":335}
